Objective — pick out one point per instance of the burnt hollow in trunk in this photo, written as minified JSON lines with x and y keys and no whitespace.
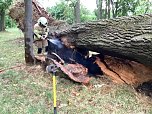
{"x":145,"y":88}
{"x":73,"y":56}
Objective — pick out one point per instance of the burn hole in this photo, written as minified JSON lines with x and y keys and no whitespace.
{"x":145,"y":88}
{"x":74,"y":55}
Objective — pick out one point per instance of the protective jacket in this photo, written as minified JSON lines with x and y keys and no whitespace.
{"x":39,"y":32}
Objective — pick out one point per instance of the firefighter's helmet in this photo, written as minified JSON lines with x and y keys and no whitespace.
{"x":42,"y":21}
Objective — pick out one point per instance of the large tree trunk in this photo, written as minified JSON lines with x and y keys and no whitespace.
{"x":2,"y":20}
{"x":29,"y":56}
{"x":125,"y":37}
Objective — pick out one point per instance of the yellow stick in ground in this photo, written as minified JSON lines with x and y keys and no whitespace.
{"x":54,"y":93}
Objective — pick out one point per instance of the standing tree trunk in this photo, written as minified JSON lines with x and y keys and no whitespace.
{"x":28,"y":36}
{"x":106,"y":9}
{"x":99,"y":10}
{"x":113,"y":12}
{"x":116,"y":9}
{"x":2,"y":20}
{"x":109,"y":9}
{"x":77,"y":11}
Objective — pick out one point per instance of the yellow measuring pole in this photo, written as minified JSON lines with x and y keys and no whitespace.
{"x":54,"y":93}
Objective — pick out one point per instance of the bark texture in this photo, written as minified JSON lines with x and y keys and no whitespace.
{"x":28,"y":36}
{"x":125,"y":37}
{"x":77,"y":12}
{"x":2,"y":20}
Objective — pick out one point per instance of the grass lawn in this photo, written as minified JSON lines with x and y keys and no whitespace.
{"x":28,"y":89}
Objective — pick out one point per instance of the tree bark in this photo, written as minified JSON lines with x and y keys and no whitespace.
{"x":2,"y":20}
{"x":125,"y":37}
{"x":99,"y":9}
{"x":109,"y":9}
{"x":77,"y":12}
{"x":28,"y":36}
{"x":113,"y":12}
{"x":106,"y":9}
{"x":116,"y":9}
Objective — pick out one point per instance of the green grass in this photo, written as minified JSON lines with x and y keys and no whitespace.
{"x":28,"y":90}
{"x":11,"y":48}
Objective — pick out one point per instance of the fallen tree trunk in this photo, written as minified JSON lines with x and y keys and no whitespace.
{"x":125,"y":37}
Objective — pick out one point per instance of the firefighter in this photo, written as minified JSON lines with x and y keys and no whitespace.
{"x":40,"y":34}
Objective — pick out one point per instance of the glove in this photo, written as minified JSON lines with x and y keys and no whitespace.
{"x":43,"y":37}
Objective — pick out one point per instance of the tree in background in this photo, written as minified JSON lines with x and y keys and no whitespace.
{"x":9,"y":22}
{"x":126,"y":7}
{"x":99,"y":10}
{"x":132,"y":7}
{"x":64,"y":10}
{"x":28,"y":36}
{"x":116,"y":8}
{"x":75,"y":5}
{"x":77,"y":11}
{"x":4,"y":5}
{"x":87,"y":15}
{"x":144,"y":7}
{"x":105,"y":9}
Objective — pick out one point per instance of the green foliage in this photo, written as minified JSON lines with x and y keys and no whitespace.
{"x":62,"y":11}
{"x":144,"y":7}
{"x":9,"y":23}
{"x":127,"y":6}
{"x":4,"y":4}
{"x":59,"y":11}
{"x":65,"y":11}
{"x":86,"y":15}
{"x":133,"y":7}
